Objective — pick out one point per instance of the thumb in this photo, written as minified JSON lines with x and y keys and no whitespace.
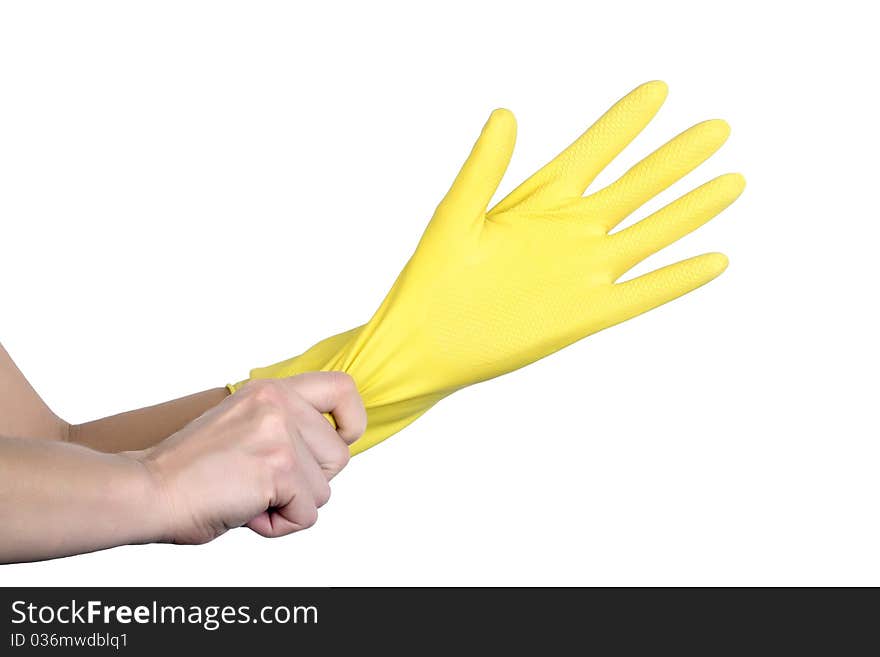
{"x":482,"y":172}
{"x":335,"y":395}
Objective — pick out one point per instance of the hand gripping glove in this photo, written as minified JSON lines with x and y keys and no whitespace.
{"x":487,"y":292}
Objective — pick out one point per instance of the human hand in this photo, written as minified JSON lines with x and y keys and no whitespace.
{"x":488,"y":291}
{"x":262,"y":458}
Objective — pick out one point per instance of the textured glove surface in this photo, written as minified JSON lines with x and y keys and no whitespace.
{"x":487,"y":292}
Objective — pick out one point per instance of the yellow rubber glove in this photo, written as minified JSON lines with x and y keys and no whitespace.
{"x":487,"y":292}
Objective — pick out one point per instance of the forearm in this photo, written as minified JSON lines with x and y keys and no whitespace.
{"x":144,"y":427}
{"x":22,"y":412}
{"x":58,"y":499}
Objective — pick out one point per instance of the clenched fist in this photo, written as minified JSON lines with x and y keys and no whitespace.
{"x":263,"y":458}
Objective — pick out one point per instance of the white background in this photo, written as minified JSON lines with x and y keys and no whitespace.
{"x":191,"y":189}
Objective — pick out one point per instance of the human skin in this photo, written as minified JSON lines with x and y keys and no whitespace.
{"x":142,"y":427}
{"x":23,"y":414}
{"x":262,"y":458}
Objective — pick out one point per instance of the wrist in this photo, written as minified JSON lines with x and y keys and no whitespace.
{"x":143,"y":486}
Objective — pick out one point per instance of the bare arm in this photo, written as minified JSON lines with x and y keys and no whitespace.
{"x":24,"y":414}
{"x":262,"y":458}
{"x":58,"y":499}
{"x":144,"y":427}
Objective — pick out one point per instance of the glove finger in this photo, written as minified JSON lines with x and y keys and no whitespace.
{"x":482,"y":172}
{"x":659,"y":170}
{"x":571,"y":172}
{"x":647,"y":292}
{"x":674,"y":221}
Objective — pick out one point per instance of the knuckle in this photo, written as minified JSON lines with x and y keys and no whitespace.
{"x":341,"y":455}
{"x":356,"y":415}
{"x":270,"y":421}
{"x":282,"y":460}
{"x":263,"y":392}
{"x":357,"y":429}
{"x":266,"y":408}
{"x":353,"y":429}
{"x":309,"y":517}
{"x":322,"y":495}
{"x":337,"y":459}
{"x":343,"y":383}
